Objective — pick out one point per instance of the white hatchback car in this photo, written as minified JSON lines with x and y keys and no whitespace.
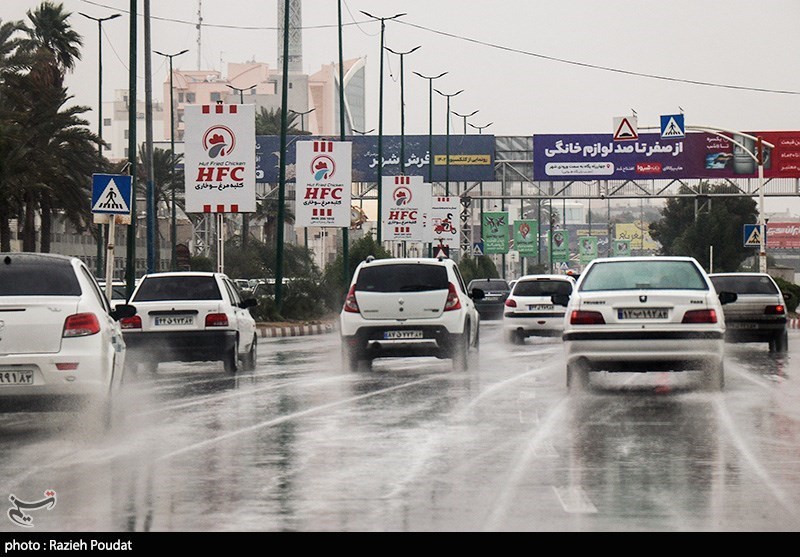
{"x":60,"y":342}
{"x":190,"y":316}
{"x":408,"y":307}
{"x":529,"y":309}
{"x":644,"y":314}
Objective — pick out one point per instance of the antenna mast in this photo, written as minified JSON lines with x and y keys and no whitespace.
{"x":199,"y":30}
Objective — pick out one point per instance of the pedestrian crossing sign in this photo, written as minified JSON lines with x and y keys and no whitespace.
{"x":111,"y":194}
{"x":672,"y":126}
{"x":752,"y":236}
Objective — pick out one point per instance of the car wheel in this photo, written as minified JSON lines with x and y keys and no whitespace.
{"x":714,"y":377}
{"x":461,"y":351}
{"x":249,"y":360}
{"x":780,"y":343}
{"x":231,"y":360}
{"x":577,"y":377}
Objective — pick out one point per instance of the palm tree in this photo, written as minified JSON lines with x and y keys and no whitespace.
{"x":52,"y":32}
{"x":268,"y":122}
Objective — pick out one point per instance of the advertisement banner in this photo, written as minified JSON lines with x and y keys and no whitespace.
{"x":783,"y":235}
{"x":406,"y":203}
{"x":697,"y":155}
{"x":526,"y":237}
{"x":324,"y":184}
{"x":443,"y":223}
{"x":494,"y":230}
{"x":637,"y":233}
{"x":560,"y":244}
{"x":587,"y":249}
{"x":220,"y":158}
{"x":620,"y":248}
{"x":471,"y":157}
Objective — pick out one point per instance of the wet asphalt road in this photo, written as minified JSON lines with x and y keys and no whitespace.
{"x":300,"y":445}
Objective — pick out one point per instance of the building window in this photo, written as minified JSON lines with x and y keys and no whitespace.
{"x":290,"y":85}
{"x":180,"y":97}
{"x":190,"y":98}
{"x":215,"y":97}
{"x":106,"y":121}
{"x":126,"y":153}
{"x":126,"y":134}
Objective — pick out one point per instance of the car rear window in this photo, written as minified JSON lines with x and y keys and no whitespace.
{"x":744,"y":285}
{"x":39,"y":278}
{"x":542,"y":288}
{"x":157,"y":289}
{"x":651,"y":275}
{"x":402,"y":278}
{"x":489,"y":285}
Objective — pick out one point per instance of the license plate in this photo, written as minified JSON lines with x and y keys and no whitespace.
{"x":174,"y":320}
{"x":735,"y":325}
{"x":22,"y":377}
{"x":395,"y":335}
{"x":643,"y":313}
{"x":540,"y":307}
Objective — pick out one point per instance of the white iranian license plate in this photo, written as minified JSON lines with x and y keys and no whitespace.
{"x":166,"y":320}
{"x":20,"y":377}
{"x":737,"y":325}
{"x":643,"y":313}
{"x":396,"y":335}
{"x":540,"y":307}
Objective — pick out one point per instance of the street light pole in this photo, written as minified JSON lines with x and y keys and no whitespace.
{"x":130,"y":257}
{"x":465,"y":116}
{"x":480,"y":186}
{"x":303,"y":128}
{"x":402,"y":108}
{"x":430,"y":121}
{"x":383,"y":21}
{"x":762,"y":232}
{"x":241,"y":91}
{"x":245,"y":218}
{"x":100,"y":20}
{"x":447,"y":143}
{"x":174,"y":221}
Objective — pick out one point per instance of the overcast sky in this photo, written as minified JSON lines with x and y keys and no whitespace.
{"x":496,"y":52}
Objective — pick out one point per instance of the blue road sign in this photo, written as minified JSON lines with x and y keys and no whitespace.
{"x":751,"y":237}
{"x":477,"y":249}
{"x":672,"y":126}
{"x":111,"y":194}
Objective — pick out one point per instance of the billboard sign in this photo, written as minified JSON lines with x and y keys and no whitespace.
{"x":443,"y":224}
{"x":220,"y":158}
{"x":406,"y":204}
{"x":560,"y":243}
{"x":471,"y":157}
{"x":587,"y":249}
{"x":494,"y":230}
{"x":620,"y":248}
{"x":526,"y":237}
{"x":324,"y":184}
{"x":783,"y":235}
{"x":698,"y":155}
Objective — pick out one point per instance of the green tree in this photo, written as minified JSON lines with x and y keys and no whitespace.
{"x":681,"y":232}
{"x":268,"y":122}
{"x":477,"y":267}
{"x":333,"y":279}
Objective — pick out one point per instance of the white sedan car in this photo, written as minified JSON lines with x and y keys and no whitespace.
{"x":644,"y":314}
{"x":190,"y":316}
{"x":60,"y":342}
{"x":529,"y":309}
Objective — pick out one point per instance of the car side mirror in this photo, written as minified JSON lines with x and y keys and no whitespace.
{"x":477,"y":294}
{"x":727,"y":297}
{"x":248,"y":303}
{"x":122,"y":311}
{"x":560,"y":299}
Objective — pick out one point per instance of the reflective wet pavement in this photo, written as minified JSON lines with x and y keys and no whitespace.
{"x":301,"y":445}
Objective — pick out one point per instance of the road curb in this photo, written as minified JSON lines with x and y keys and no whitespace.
{"x":793,"y":323}
{"x":266,"y":331}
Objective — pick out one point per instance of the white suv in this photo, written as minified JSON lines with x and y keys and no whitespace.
{"x":190,"y":317}
{"x":408,"y":307}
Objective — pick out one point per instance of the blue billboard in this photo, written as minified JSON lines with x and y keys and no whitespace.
{"x":471,"y":157}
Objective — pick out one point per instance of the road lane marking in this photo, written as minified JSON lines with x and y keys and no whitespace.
{"x":574,"y":500}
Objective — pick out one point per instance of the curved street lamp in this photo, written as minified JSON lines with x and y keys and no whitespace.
{"x":402,"y":109}
{"x":241,"y":91}
{"x":173,"y":224}
{"x":383,"y":21}
{"x":100,"y":20}
{"x":302,"y":116}
{"x":465,"y":116}
{"x":447,"y":143}
{"x":430,"y":120}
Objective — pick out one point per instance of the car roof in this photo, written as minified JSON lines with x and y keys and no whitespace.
{"x":566,"y":278}
{"x":184,"y":274}
{"x":31,"y":257}
{"x":410,"y":260}
{"x":646,"y":258}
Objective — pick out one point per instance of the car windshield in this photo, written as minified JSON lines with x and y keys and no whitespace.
{"x":542,"y":288}
{"x":156,"y":289}
{"x":35,"y":278}
{"x":402,"y":278}
{"x":644,"y":274}
{"x":744,"y":284}
{"x":489,"y":285}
